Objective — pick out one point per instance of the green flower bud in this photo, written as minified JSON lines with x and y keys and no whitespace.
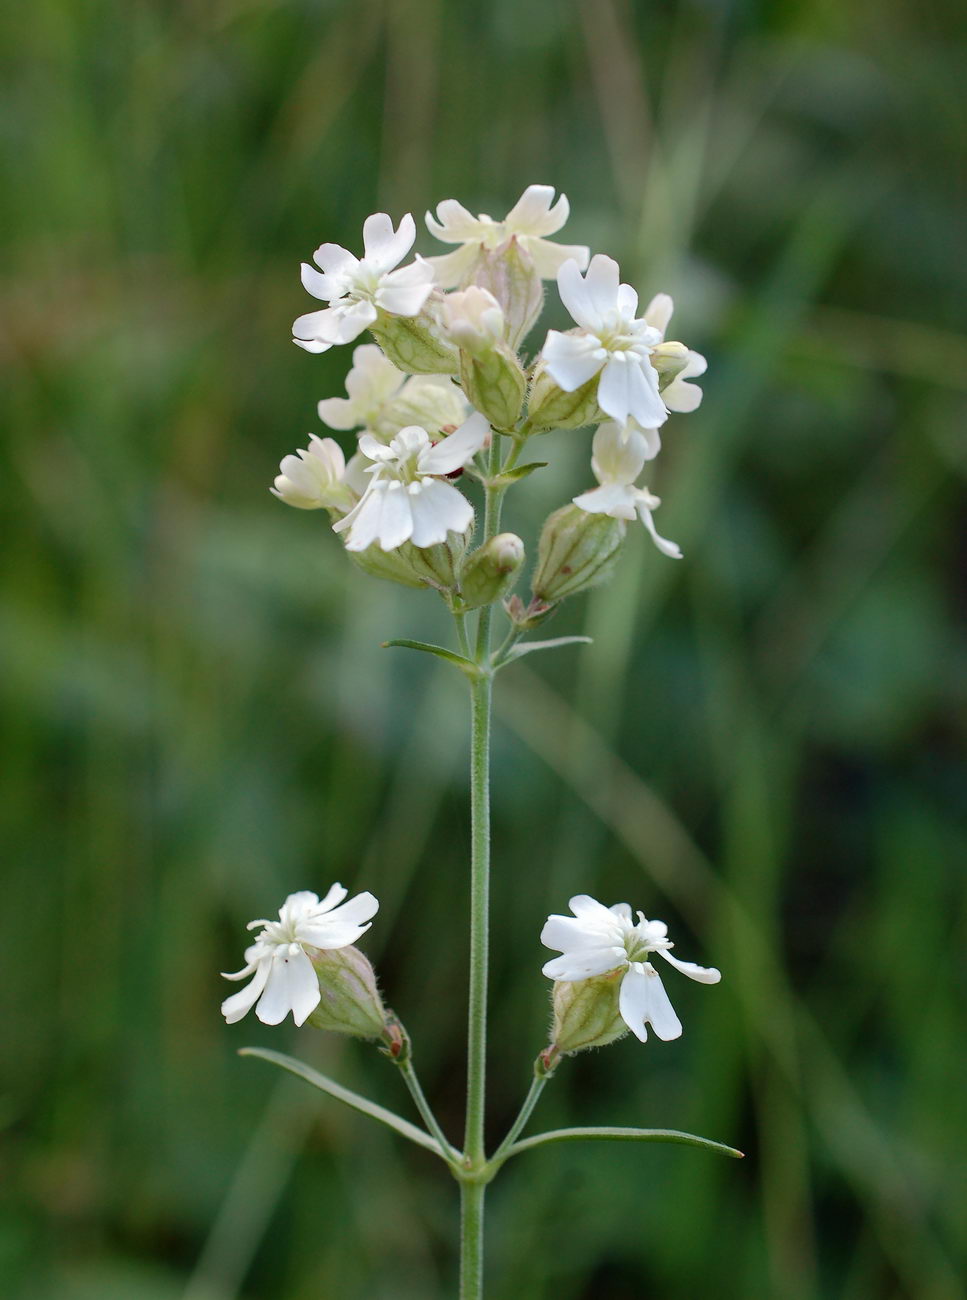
{"x":495,"y":385}
{"x":416,"y":344}
{"x":508,"y":272}
{"x":416,"y":566}
{"x":586,"y":1014}
{"x":577,"y":550}
{"x":350,"y":1001}
{"x":490,"y":570}
{"x":669,"y":359}
{"x":550,"y":407}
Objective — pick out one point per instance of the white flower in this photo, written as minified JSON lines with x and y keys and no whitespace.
{"x":382,"y":398}
{"x":599,"y":939}
{"x":679,"y":395}
{"x":284,"y":979}
{"x":611,"y":341}
{"x":405,"y":500}
{"x":316,"y":478}
{"x":358,"y":289}
{"x":530,"y":219}
{"x":618,"y":458}
{"x":473,"y":318}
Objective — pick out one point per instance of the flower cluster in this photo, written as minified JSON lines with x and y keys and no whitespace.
{"x":444,"y":379}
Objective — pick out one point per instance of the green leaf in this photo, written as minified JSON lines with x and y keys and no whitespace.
{"x":518,"y":651}
{"x":460,"y":661}
{"x":623,"y":1135}
{"x":348,"y":1098}
{"x":519,"y":471}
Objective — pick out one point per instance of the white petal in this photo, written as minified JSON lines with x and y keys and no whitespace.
{"x":574,"y":934}
{"x":358,"y":910}
{"x":373,"y":377}
{"x":627,"y":301}
{"x":702,"y":974}
{"x":658,"y":313}
{"x":455,"y":225}
{"x":643,"y":1000}
{"x":583,"y":965}
{"x":333,"y":898}
{"x":363,"y":521}
{"x":618,"y":454}
{"x":666,"y":547}
{"x":292,"y":986}
{"x":335,"y":260}
{"x":584,"y":905}
{"x":438,"y":508}
{"x":320,"y":285}
{"x":614,"y":499}
{"x":548,"y":258}
{"x":384,"y":246}
{"x":682,"y":396}
{"x":316,"y":327}
{"x":629,"y":388}
{"x":403,"y":292}
{"x":453,"y":268}
{"x":396,"y":518}
{"x":602,"y":283}
{"x":532,"y":214}
{"x":338,"y":413}
{"x":577,"y":297}
{"x":312,"y":345}
{"x":349,"y":319}
{"x":571,"y":359}
{"x":240,"y":1003}
{"x":456,"y":450}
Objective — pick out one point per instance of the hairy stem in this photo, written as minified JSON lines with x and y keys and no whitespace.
{"x":426,"y":1114}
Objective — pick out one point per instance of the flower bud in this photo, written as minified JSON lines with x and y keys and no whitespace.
{"x":669,"y":359}
{"x":577,"y":550}
{"x":508,"y":272}
{"x":490,"y":570}
{"x":416,"y":566}
{"x":315,"y":479}
{"x":550,"y":407}
{"x":416,"y":344}
{"x":473,"y":320}
{"x":586,"y":1013}
{"x":350,"y":1002}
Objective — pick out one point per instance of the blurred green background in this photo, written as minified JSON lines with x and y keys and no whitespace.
{"x":761,"y":747}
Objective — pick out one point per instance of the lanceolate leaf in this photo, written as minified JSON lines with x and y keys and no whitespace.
{"x":528,"y":647}
{"x":460,"y":661}
{"x":348,"y":1098}
{"x":623,"y":1135}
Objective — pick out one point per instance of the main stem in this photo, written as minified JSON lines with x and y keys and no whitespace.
{"x":471,"y":1191}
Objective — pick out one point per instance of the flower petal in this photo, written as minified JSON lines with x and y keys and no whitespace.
{"x":658,"y":313}
{"x":574,"y":934}
{"x":240,"y":1003}
{"x":321,"y":285}
{"x":577,"y":297}
{"x":614,"y":499}
{"x":333,"y":898}
{"x":666,"y":547}
{"x":548,"y":258}
{"x":335,"y":260}
{"x":583,"y":965}
{"x":403,"y":292}
{"x":618,"y":454}
{"x":643,"y":1000}
{"x":629,"y":388}
{"x":453,"y":224}
{"x":385,"y":247}
{"x":702,"y":974}
{"x":338,"y":413}
{"x":572,"y":359}
{"x":532,"y":214}
{"x":437,"y":509}
{"x":452,"y":269}
{"x":457,"y":450}
{"x":602,"y":283}
{"x":292,"y":986}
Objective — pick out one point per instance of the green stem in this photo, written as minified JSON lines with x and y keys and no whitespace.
{"x":480,"y":694}
{"x":471,"y":1240}
{"x":530,"y":1101}
{"x":426,"y":1114}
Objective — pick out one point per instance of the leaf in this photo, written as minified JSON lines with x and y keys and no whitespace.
{"x":348,"y":1098}
{"x":519,"y":471}
{"x":518,"y":651}
{"x":623,"y":1135}
{"x":465,"y":665}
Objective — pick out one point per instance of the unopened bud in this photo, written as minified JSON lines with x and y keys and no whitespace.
{"x":586,"y":1014}
{"x":508,"y":272}
{"x":350,"y":1002}
{"x":417,"y":566}
{"x":577,"y":550}
{"x":550,"y":407}
{"x":490,"y":570}
{"x":473,"y":319}
{"x":669,"y":359}
{"x":416,"y":344}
